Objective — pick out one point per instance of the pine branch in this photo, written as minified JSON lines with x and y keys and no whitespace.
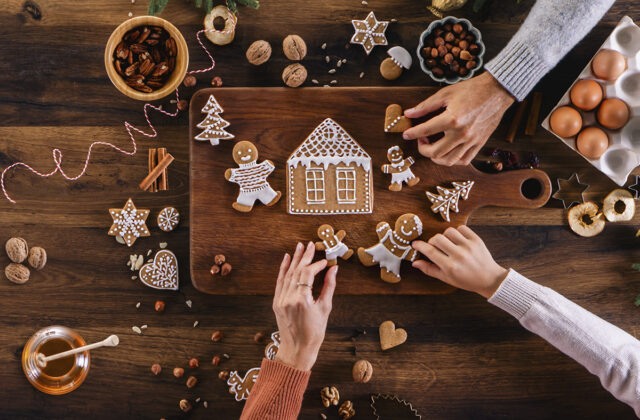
{"x":637,"y":301}
{"x":636,"y":267}
{"x":156,"y":6}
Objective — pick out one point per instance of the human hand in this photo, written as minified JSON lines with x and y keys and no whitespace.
{"x":301,"y":320}
{"x":460,"y":258}
{"x":474,"y":108}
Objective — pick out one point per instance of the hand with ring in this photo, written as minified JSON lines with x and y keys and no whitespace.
{"x":302,"y":321}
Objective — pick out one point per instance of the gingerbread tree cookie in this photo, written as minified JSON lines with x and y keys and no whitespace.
{"x":129,"y":222}
{"x":393,"y":246}
{"x":448,"y":199}
{"x":251,"y":176}
{"x":400,"y":169}
{"x":332,"y":245}
{"x":213,"y":124}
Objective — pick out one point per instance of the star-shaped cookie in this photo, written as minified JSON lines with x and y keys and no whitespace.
{"x":369,"y":32}
{"x":129,"y":222}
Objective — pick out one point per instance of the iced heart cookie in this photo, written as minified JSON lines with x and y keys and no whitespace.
{"x":162,"y":272}
{"x":400,"y":169}
{"x":393,"y":246}
{"x":331,"y":243}
{"x":129,"y":222}
{"x":251,"y":176}
{"x":390,"y":336}
{"x":241,"y":387}
{"x":394,"y":120}
{"x":168,"y":219}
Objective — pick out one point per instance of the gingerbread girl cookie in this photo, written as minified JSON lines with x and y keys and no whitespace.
{"x":332,"y":245}
{"x":252,"y":178}
{"x":393,"y":246}
{"x":400,"y":169}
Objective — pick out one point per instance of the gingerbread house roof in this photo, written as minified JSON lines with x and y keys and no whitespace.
{"x":329,"y":144}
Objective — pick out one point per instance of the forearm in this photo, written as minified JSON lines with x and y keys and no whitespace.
{"x":277,"y":393}
{"x":551,"y":29}
{"x":604,"y":349}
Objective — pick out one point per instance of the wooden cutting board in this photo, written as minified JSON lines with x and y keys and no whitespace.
{"x":277,"y":120}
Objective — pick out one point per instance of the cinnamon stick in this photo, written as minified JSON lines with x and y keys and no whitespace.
{"x":534,"y":114}
{"x":153,"y":161}
{"x":163,"y":181}
{"x":155,"y":173}
{"x":517,"y":119}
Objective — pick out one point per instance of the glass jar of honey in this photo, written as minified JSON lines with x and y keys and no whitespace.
{"x":58,"y":376}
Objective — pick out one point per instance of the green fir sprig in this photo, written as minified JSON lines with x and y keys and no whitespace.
{"x":157,"y":6}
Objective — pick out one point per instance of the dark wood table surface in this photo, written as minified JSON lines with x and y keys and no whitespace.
{"x":54,"y":92}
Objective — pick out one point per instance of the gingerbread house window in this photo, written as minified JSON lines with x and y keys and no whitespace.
{"x":315,"y":186}
{"x":346,"y":185}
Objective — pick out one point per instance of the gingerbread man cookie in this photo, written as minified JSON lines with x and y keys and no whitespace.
{"x":252,"y":178}
{"x":332,"y":245}
{"x":400,"y":169}
{"x":393,"y":246}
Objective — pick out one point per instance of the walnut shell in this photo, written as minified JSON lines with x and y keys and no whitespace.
{"x":17,"y":249}
{"x":259,"y":52}
{"x":294,"y":47}
{"x":362,"y":371}
{"x":17,"y":273}
{"x":294,"y":75}
{"x":37,"y":257}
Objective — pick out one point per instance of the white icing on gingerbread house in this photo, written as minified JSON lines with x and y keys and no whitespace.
{"x":329,"y":173}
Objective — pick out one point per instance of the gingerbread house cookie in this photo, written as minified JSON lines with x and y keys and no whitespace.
{"x":329,"y":173}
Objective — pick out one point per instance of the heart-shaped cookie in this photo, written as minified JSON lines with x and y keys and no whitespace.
{"x":394,"y":120}
{"x":162,"y":272}
{"x":390,"y":336}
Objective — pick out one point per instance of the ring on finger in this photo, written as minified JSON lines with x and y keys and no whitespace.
{"x":303,"y":284}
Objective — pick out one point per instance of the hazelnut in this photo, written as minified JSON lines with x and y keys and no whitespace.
{"x":498,"y":166}
{"x":223,"y":375}
{"x":430,"y":63}
{"x":426,"y":52}
{"x":259,"y":52}
{"x":463,"y":45}
{"x":457,"y":28}
{"x":258,"y":337}
{"x":438,"y":41}
{"x":215,"y":361}
{"x":219,"y":259}
{"x":156,"y":369}
{"x":189,"y":81}
{"x":455,"y":51}
{"x":454,"y":67}
{"x":185,"y":406}
{"x":471,"y":65}
{"x":438,"y":31}
{"x":17,"y":249}
{"x":182,"y":104}
{"x":362,"y":371}
{"x":294,"y":75}
{"x":463,"y":71}
{"x":194,"y":363}
{"x":37,"y":257}
{"x":159,"y":306}
{"x":434,"y":52}
{"x":470,"y":38}
{"x":448,"y":58}
{"x":178,"y":372}
{"x":215,"y":269}
{"x":17,"y":273}
{"x":294,"y":47}
{"x":474,"y":49}
{"x":438,"y":71}
{"x":217,"y":336}
{"x":216,"y":81}
{"x":191,"y":381}
{"x":226,"y":269}
{"x":465,"y":55}
{"x":449,"y":37}
{"x":448,"y":27}
{"x":442,"y":50}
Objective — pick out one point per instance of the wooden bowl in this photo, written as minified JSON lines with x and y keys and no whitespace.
{"x":182,"y":58}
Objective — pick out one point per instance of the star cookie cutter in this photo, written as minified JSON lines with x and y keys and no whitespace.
{"x":395,"y":399}
{"x":636,"y":188}
{"x":570,"y":191}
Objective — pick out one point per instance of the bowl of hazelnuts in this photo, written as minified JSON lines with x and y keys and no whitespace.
{"x":450,"y":50}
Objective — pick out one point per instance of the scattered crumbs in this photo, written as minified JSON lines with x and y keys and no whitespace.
{"x":130,"y":14}
{"x":189,"y":303}
{"x":322,"y":416}
{"x":198,"y":399}
{"x":133,"y":1}
{"x":134,"y":277}
{"x":339,"y":63}
{"x":120,"y":239}
{"x":324,"y":46}
{"x":361,"y":75}
{"x":195,"y":323}
{"x":364,"y":2}
{"x":148,"y":253}
{"x":138,"y":264}
{"x":206,"y":404}
{"x":394,"y":20}
{"x":332,"y":71}
{"x":226,"y":356}
{"x":173,"y":101}
{"x":137,"y":305}
{"x":344,"y":60}
{"x":163,"y":245}
{"x":129,"y":263}
{"x":314,"y":81}
{"x":136,"y":329}
{"x":144,"y":327}
{"x":325,"y":86}
{"x":333,"y":82}
{"x":327,"y":59}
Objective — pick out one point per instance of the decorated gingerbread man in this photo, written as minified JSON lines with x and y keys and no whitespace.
{"x":400,"y":169}
{"x":332,"y":245}
{"x":393,"y":246}
{"x":252,"y":178}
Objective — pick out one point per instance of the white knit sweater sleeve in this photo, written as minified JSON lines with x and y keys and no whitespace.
{"x":604,"y":349}
{"x":551,"y":29}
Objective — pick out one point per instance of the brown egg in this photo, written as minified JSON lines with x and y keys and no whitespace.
{"x":592,"y":142}
{"x":586,"y":94}
{"x":608,"y":64}
{"x":565,"y":121}
{"x":613,"y":113}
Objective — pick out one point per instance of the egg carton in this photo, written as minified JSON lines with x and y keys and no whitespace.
{"x":623,"y":154}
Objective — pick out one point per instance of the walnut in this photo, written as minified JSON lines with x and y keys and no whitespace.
{"x":362,"y":371}
{"x":294,"y":47}
{"x":346,"y":410}
{"x":37,"y":257}
{"x":17,"y":249}
{"x":17,"y":273}
{"x":294,"y":75}
{"x":329,"y":396}
{"x":259,"y":52}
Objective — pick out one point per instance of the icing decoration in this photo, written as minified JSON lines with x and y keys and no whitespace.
{"x":272,"y":348}
{"x":240,"y":386}
{"x":369,"y":32}
{"x":162,"y":272}
{"x":332,"y":245}
{"x":213,"y":124}
{"x":400,"y":169}
{"x":329,"y":173}
{"x":394,"y":120}
{"x":448,"y":199}
{"x":129,"y":222}
{"x":570,"y":191}
{"x":400,"y":56}
{"x":168,"y":219}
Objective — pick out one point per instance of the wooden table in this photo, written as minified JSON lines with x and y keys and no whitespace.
{"x":54,"y":93}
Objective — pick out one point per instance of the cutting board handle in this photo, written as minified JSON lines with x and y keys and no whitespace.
{"x":524,"y":188}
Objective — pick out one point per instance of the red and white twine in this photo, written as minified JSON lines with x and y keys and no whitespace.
{"x":57,"y":153}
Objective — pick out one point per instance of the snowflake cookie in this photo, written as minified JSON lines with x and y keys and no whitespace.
{"x":369,"y":32}
{"x":448,"y":199}
{"x":162,"y":272}
{"x":168,"y":219}
{"x":129,"y":222}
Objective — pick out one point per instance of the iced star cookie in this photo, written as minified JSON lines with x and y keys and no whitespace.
{"x":400,"y":169}
{"x":129,"y":222}
{"x":331,"y":243}
{"x":369,"y":32}
{"x":393,"y":246}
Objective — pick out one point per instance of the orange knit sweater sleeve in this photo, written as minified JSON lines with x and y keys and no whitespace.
{"x":277,"y":393}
